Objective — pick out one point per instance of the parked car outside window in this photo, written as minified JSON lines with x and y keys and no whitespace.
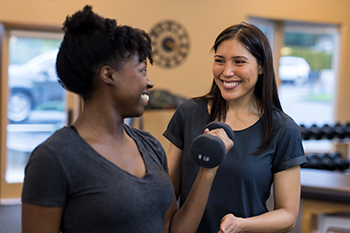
{"x":294,"y":69}
{"x":32,"y":85}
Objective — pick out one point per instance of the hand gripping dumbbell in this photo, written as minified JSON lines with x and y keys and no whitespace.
{"x":208,"y":150}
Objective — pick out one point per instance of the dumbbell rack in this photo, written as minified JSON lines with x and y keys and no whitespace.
{"x":337,"y":131}
{"x":327,"y":161}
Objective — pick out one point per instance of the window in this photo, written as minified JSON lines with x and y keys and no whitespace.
{"x":36,"y":101}
{"x":306,"y":59}
{"x":308,"y":85}
{"x":33,"y":104}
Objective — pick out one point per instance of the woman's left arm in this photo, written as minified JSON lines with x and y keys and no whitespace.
{"x":282,"y":218}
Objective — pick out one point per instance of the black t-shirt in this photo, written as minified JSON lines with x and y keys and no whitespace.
{"x":243,"y":181}
{"x":97,"y":195}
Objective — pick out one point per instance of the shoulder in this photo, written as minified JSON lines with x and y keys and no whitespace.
{"x":189,"y":113}
{"x":285,"y":124}
{"x":65,"y":134}
{"x":59,"y":137}
{"x":283,"y":119}
{"x":58,"y":145}
{"x":49,"y":156}
{"x":191,"y":104}
{"x":194,"y":106}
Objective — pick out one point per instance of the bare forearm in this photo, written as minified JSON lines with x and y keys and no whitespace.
{"x":188,"y":217}
{"x":274,"y":221}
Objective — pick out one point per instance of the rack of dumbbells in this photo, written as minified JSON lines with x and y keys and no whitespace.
{"x":326,"y":161}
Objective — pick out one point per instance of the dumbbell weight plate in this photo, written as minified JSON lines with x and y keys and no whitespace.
{"x":208,"y":150}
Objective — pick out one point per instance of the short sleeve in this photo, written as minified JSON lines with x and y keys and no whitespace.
{"x":289,"y":148}
{"x":44,"y":181}
{"x":175,"y":130}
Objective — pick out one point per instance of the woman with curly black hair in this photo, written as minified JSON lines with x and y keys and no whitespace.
{"x":98,"y":174}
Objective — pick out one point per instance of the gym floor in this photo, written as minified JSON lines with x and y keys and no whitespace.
{"x":10,"y":218}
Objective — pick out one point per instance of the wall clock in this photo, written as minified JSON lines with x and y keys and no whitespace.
{"x":170,"y":43}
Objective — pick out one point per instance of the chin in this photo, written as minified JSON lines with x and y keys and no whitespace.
{"x":135,"y":114}
{"x":139,"y":113}
{"x":228,"y":97}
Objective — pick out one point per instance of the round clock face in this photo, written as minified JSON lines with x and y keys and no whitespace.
{"x":170,"y":43}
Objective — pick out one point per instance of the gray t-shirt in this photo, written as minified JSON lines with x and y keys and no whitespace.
{"x":97,"y":196}
{"x":243,"y":181}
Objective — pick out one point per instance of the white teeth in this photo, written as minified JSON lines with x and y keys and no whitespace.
{"x":230,"y":84}
{"x":145,"y":97}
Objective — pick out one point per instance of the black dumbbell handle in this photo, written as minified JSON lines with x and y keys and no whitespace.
{"x":218,"y":124}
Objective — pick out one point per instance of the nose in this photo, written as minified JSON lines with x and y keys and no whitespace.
{"x":228,"y":70}
{"x":149,"y":83}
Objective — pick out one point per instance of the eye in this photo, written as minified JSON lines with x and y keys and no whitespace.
{"x":143,"y":69}
{"x":219,"y":61}
{"x":239,"y":62}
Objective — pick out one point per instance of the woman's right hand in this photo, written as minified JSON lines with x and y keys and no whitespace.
{"x":230,"y":224}
{"x":221,"y":133}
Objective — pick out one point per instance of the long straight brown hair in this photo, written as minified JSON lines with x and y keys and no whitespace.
{"x":265,"y":90}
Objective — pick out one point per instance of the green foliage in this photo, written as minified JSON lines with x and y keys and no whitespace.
{"x":317,"y":60}
{"x":318,"y":97}
{"x":301,"y":39}
{"x":22,"y":49}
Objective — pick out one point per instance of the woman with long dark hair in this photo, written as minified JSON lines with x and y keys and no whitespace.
{"x":267,"y":143}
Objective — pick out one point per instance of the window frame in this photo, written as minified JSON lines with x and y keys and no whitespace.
{"x":10,"y":193}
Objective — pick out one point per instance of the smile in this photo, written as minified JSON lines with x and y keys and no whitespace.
{"x":230,"y":84}
{"x":145,"y":97}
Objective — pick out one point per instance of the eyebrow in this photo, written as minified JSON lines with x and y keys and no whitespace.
{"x":234,"y":57}
{"x":142,"y":62}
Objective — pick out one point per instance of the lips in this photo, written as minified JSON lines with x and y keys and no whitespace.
{"x":231,"y":84}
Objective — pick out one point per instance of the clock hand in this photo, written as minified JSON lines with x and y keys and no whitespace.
{"x":173,"y":46}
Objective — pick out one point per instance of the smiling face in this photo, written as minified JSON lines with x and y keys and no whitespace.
{"x":131,"y":92}
{"x":235,"y":71}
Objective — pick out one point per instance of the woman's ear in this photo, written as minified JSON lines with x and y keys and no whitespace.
{"x":106,"y":75}
{"x":261,"y":70}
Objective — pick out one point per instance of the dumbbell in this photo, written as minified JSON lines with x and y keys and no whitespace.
{"x":329,"y":133}
{"x":339,"y":161}
{"x":306,"y":134}
{"x":327,"y":162}
{"x":317,"y":133}
{"x":208,"y":150}
{"x":347,"y":129}
{"x":339,"y":131}
{"x":313,"y":161}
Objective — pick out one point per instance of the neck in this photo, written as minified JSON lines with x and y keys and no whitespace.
{"x":243,"y":106}
{"x":100,"y":121}
{"x":241,"y":113}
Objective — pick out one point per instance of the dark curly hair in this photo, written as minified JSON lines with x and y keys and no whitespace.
{"x":265,"y":90}
{"x":91,"y":42}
